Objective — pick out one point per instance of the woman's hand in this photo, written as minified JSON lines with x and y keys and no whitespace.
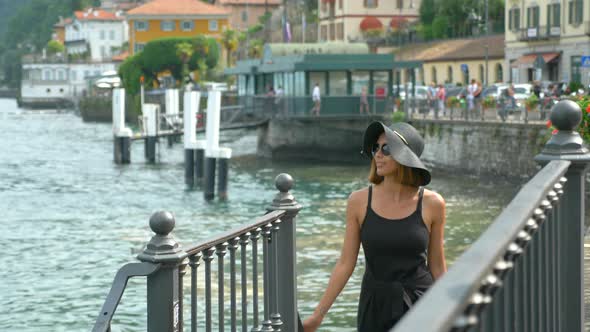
{"x":312,"y":323}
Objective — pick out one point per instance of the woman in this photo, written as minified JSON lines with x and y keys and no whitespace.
{"x":400,"y":226}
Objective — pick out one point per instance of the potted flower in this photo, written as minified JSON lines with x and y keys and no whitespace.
{"x":488,"y":102}
{"x":531,"y":102}
{"x":584,"y":127}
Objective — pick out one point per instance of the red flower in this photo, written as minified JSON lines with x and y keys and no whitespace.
{"x":554,"y":131}
{"x":588,"y":109}
{"x":549,"y":124}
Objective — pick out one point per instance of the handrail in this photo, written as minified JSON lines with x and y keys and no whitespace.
{"x":236,"y":232}
{"x":103,"y":322}
{"x":451,"y":294}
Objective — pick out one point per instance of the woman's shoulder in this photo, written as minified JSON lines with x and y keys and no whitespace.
{"x":433,"y":199}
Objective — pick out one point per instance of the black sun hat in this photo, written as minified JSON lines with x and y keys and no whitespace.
{"x":405,"y":143}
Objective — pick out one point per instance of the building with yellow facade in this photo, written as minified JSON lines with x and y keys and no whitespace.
{"x":347,"y":20}
{"x":174,"y":18}
{"x":456,"y":61}
{"x":547,"y":40}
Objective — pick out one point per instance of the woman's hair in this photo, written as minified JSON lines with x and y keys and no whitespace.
{"x":403,"y":174}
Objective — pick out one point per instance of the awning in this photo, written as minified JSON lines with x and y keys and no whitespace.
{"x":370,"y":23}
{"x":528,"y":61}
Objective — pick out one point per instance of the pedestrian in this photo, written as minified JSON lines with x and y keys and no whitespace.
{"x":315,"y":97}
{"x":279,"y":99}
{"x":471,"y":91}
{"x":364,"y":101}
{"x":431,"y":94}
{"x":441,"y":96}
{"x":400,"y":226}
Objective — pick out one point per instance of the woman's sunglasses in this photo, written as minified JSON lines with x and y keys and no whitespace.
{"x":384,"y":149}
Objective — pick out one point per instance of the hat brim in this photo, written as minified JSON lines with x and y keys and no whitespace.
{"x":400,"y":152}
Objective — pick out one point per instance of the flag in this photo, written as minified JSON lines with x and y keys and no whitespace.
{"x":287,"y":32}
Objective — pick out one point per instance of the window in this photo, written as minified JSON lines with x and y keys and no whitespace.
{"x":102,"y":35}
{"x":103,"y":51}
{"x":73,"y":75}
{"x":141,"y":25}
{"x":86,"y":73}
{"x":332,"y":31}
{"x":112,"y":35}
{"x":338,"y":84}
{"x":187,"y":25}
{"x":167,"y":25}
{"x":576,"y":69}
{"x":433,"y":74}
{"x":532,"y":17}
{"x":213,"y":25}
{"x":320,"y":79}
{"x":339,"y":4}
{"x":324,"y":32}
{"x":499,"y":73}
{"x":244,"y":16}
{"x":61,"y":75}
{"x":340,"y":31}
{"x":450,"y":74}
{"x":371,"y":3}
{"x":138,"y":47}
{"x":576,"y":11}
{"x":481,"y":74}
{"x":399,"y":4}
{"x":514,"y":19}
{"x":360,"y":79}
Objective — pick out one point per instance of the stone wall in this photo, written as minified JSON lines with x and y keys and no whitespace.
{"x":476,"y":148}
{"x":480,"y":148}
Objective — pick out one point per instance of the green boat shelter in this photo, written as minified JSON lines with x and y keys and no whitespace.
{"x":341,"y":70}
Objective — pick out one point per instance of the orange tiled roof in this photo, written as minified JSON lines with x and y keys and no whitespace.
{"x":177,"y":7}
{"x":96,"y":15}
{"x":121,"y":56}
{"x":250,"y":2}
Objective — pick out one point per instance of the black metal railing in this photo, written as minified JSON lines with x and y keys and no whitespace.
{"x":525,"y":272}
{"x":263,"y":250}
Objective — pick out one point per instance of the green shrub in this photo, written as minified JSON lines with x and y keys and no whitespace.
{"x":399,"y":116}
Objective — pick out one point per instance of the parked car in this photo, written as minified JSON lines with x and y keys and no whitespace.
{"x":493,"y":90}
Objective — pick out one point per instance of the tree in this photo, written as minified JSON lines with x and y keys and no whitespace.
{"x":427,"y":12}
{"x":440,"y":26}
{"x":229,"y":39}
{"x":255,"y":48}
{"x":184,"y":51}
{"x":54,"y":46}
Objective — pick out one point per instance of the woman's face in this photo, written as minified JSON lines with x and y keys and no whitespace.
{"x":385,"y":165}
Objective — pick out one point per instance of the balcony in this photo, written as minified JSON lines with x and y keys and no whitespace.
{"x":539,"y":33}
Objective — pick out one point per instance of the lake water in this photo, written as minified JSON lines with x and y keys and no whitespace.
{"x":72,"y":218}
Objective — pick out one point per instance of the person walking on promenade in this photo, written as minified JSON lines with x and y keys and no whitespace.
{"x":364,"y":101}
{"x":471,"y":92}
{"x":400,"y":225}
{"x":441,"y":96}
{"x":315,"y":97}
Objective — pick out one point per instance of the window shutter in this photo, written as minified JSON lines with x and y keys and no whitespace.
{"x":510,"y":18}
{"x":571,"y":12}
{"x":557,"y":14}
{"x":517,"y":19}
{"x":549,"y":13}
{"x":580,"y":11}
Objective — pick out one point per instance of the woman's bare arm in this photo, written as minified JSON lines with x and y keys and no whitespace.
{"x":436,"y":253}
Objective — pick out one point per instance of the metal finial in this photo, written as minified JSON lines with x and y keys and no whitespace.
{"x":162,"y":222}
{"x":566,"y":115}
{"x":284,"y":182}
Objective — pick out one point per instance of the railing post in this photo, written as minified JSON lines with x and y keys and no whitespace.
{"x":164,"y":294}
{"x":568,"y":145}
{"x":287,"y":281}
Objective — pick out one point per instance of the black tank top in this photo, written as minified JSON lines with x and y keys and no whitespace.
{"x":396,"y":272}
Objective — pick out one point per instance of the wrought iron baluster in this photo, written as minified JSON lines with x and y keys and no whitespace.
{"x":208,"y":257}
{"x":275,"y":316}
{"x":233,"y":246}
{"x":254,"y":236}
{"x":220,"y":250}
{"x":244,"y":240}
{"x":266,"y":233}
{"x":194,"y":264}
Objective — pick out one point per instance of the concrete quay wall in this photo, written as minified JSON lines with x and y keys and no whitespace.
{"x":475,"y":148}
